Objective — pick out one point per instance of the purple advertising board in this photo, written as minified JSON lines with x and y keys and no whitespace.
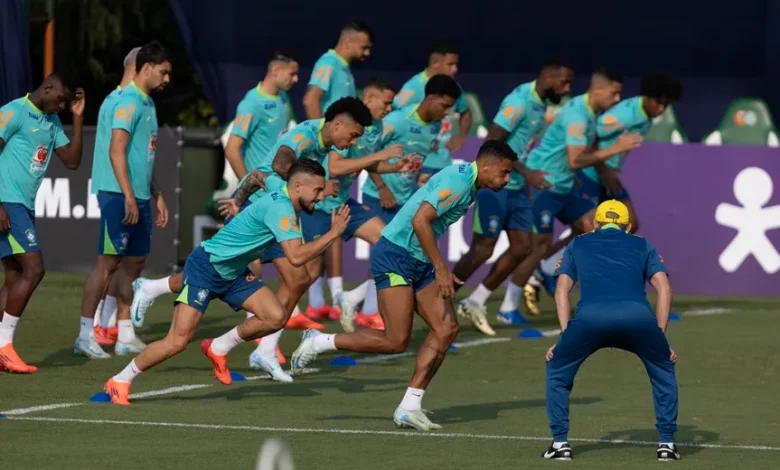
{"x":710,"y":211}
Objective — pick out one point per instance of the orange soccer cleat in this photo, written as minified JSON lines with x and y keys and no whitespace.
{"x":11,"y":362}
{"x":106,"y":336}
{"x":373,"y":321}
{"x":303,"y":322}
{"x":318,"y":313}
{"x":221,"y":370}
{"x":118,"y":391}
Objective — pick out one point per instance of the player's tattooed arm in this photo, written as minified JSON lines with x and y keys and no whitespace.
{"x":283,"y":160}
{"x":249,"y":186}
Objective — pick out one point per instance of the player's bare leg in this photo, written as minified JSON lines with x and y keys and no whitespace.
{"x":269,"y":317}
{"x":317,"y":308}
{"x":370,"y":232}
{"x":129,"y":270}
{"x":106,"y":330}
{"x":23,"y":274}
{"x":480,"y":251}
{"x":473,"y":307}
{"x":183,"y":325}
{"x":146,"y":291}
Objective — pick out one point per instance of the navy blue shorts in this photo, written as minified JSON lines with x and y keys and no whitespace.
{"x":568,"y":208}
{"x":507,"y":209}
{"x":318,"y":222}
{"x":118,"y":239}
{"x":385,"y":214}
{"x":393,"y":266}
{"x":22,"y":238}
{"x":202,"y":283}
{"x":594,"y":191}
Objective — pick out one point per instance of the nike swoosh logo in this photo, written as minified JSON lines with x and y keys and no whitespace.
{"x":412,"y":142}
{"x":35,"y":129}
{"x":533,"y":123}
{"x":149,"y":118}
{"x":273,"y":119}
{"x":547,"y":453}
{"x":361,"y":147}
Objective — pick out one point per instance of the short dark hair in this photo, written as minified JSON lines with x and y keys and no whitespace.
{"x":351,"y":106}
{"x":608,"y":74}
{"x":443,"y":46}
{"x":443,"y":85}
{"x":557,"y":62}
{"x":151,"y":53}
{"x":358,"y":26}
{"x":380,"y":83}
{"x":497,"y":149}
{"x":660,"y":85}
{"x":306,"y":166}
{"x":66,"y":79}
{"x":282,"y":55}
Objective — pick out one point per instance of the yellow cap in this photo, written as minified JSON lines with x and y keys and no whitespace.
{"x":612,"y":212}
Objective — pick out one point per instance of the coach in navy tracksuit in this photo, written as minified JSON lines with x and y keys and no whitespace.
{"x":612,"y":267}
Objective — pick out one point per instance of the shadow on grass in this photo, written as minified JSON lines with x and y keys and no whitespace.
{"x":685,"y":434}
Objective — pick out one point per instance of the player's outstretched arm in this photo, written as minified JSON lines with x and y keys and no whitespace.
{"x":338,"y":165}
{"x":70,"y":153}
{"x":283,"y":160}
{"x":663,"y":303}
{"x":581,"y":156}
{"x":422,"y":222}
{"x":562,"y":304}
{"x":299,"y":253}
{"x":249,"y":186}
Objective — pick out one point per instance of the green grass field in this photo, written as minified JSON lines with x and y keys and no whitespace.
{"x":489,"y":397}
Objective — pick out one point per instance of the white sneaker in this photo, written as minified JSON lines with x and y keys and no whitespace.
{"x":305,"y":352}
{"x":414,"y":419}
{"x":141,"y":303}
{"x":348,"y":312}
{"x":128,"y":349}
{"x":90,"y":348}
{"x":270,"y":364}
{"x":476,"y":315}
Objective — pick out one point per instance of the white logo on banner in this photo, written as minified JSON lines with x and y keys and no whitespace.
{"x":53,"y":201}
{"x":753,"y":189}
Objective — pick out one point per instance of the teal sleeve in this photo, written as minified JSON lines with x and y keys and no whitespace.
{"x":126,"y":114}
{"x":321,"y":74}
{"x":60,"y":139}
{"x":10,"y":120}
{"x":609,"y":126}
{"x":566,"y":265}
{"x":281,"y":221}
{"x":654,"y":264}
{"x":246,"y":120}
{"x":443,"y":195}
{"x":575,"y":126}
{"x":509,"y":115}
{"x":461,"y":106}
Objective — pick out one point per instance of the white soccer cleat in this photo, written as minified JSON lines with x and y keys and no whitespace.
{"x":129,"y":349}
{"x":348,"y":312}
{"x":476,"y":315}
{"x":141,"y":303}
{"x":90,"y":348}
{"x":305,"y":352}
{"x":270,"y":364}
{"x":414,"y":419}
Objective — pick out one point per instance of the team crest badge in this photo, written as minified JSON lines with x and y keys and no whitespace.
{"x":493,"y":223}
{"x":40,"y":155}
{"x":202,"y":295}
{"x":546,"y":219}
{"x":125,"y":241}
{"x":435,"y":145}
{"x":30,"y":234}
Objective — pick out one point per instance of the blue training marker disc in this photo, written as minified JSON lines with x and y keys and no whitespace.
{"x":100,"y":397}
{"x":2,"y":416}
{"x":343,"y":361}
{"x":236,"y":377}
{"x":453,"y":347}
{"x":530,"y":334}
{"x":674,"y":317}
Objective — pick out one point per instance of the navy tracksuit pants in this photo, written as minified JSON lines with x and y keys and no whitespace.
{"x":630,"y":326}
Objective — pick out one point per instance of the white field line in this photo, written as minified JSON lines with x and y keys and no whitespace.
{"x":184,"y":388}
{"x":227,"y":427}
{"x":702,"y":312}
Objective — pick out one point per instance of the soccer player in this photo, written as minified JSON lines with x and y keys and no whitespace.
{"x":30,"y":131}
{"x":343,"y":124}
{"x":568,"y":146}
{"x":411,"y":275}
{"x":331,"y":80}
{"x":417,"y":128}
{"x":261,"y":119}
{"x":657,"y":90}
{"x":520,"y":122}
{"x":612,"y":267}
{"x":370,"y":153}
{"x":105,"y":328}
{"x":442,"y":59}
{"x":218,"y":269}
{"x":129,"y":137}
